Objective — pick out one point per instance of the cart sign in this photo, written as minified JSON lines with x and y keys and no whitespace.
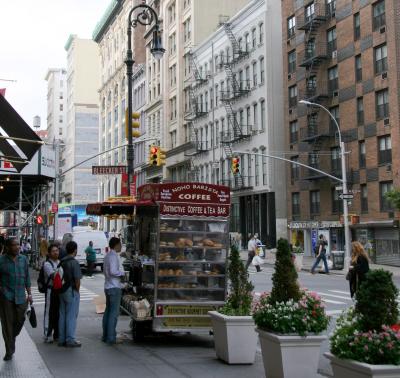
{"x":188,"y":199}
{"x":109,"y":169}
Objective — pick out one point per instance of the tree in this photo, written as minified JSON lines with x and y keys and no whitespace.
{"x":240,"y":296}
{"x":393,"y":196}
{"x":285,"y":286}
{"x":376,"y":301}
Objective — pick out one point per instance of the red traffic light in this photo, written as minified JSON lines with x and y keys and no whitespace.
{"x":39,"y":219}
{"x":154,"y":151}
{"x":235,"y":165}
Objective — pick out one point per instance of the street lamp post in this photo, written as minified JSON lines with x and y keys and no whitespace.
{"x":145,"y":16}
{"x":347,"y":238}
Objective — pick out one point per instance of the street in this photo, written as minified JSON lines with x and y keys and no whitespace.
{"x":164,"y":356}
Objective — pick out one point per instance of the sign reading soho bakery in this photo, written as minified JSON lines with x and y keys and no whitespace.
{"x":188,"y":199}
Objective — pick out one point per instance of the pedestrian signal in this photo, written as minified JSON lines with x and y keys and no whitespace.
{"x":235,"y":165}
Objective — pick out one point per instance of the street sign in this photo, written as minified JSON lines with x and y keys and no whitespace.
{"x":54,"y":207}
{"x":109,"y":169}
{"x":339,"y":188}
{"x":346,"y":196}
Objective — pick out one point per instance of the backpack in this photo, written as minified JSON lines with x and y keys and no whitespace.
{"x":42,"y":285}
{"x":58,"y":280}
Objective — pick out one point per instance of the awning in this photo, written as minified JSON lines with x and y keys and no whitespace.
{"x":115,"y":208}
{"x":14,"y":126}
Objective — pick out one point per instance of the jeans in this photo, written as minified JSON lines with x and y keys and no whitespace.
{"x":322,"y":256}
{"x":110,"y":317}
{"x":91,"y":267}
{"x":69,"y":310}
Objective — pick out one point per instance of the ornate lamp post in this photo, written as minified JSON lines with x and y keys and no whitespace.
{"x":144,"y":15}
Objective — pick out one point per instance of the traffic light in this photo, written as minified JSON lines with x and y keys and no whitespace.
{"x":235,"y":164}
{"x":161,"y":157}
{"x":153,"y":158}
{"x":39,"y":219}
{"x":135,"y":124}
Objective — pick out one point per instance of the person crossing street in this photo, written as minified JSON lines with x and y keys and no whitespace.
{"x":90,"y":259}
{"x":321,"y":254}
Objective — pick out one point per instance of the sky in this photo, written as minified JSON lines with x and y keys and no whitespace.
{"x":32,"y":38}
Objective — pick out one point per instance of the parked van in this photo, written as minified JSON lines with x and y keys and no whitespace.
{"x":82,"y":236}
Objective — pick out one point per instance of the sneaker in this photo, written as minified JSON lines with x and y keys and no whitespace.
{"x":48,"y":340}
{"x":75,"y":344}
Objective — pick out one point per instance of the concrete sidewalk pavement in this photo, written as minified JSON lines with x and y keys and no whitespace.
{"x":26,"y":362}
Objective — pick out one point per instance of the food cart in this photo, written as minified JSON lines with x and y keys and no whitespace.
{"x":178,"y":271}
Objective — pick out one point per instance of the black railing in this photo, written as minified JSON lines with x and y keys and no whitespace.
{"x":312,"y":19}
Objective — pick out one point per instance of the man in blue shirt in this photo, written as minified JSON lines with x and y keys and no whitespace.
{"x":112,"y":289}
{"x":14,"y":281}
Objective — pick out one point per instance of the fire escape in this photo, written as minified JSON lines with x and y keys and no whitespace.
{"x":316,"y":53}
{"x":197,"y":110}
{"x":237,"y":87}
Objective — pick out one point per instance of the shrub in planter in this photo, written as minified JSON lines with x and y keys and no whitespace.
{"x":234,"y":330}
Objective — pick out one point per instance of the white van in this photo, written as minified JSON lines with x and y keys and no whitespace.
{"x":82,"y":236}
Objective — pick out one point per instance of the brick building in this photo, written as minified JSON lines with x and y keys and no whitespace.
{"x":344,"y":55}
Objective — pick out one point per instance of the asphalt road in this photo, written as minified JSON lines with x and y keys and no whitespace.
{"x":167,"y":356}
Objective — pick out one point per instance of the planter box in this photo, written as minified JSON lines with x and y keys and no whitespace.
{"x":235,"y":338}
{"x":298,"y":262}
{"x":290,"y":356}
{"x":354,"y":369}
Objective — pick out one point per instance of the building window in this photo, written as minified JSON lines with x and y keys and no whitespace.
{"x":314,"y":202}
{"x":362,"y":154}
{"x":364,"y":198}
{"x":337,"y":203}
{"x":172,"y":43}
{"x":247,"y":41}
{"x":172,"y":108}
{"x":262,"y":123}
{"x":257,"y":168}
{"x":331,"y":39}
{"x":248,"y":118}
{"x":254,"y":74}
{"x":336,"y":114}
{"x":173,"y":138}
{"x":330,"y":8}
{"x":294,"y":131}
{"x":292,"y":61}
{"x":333,"y":79}
{"x":171,"y":13}
{"x":382,"y":104}
{"x":380,"y":59}
{"x":335,"y":160}
{"x":61,"y":96}
{"x":291,"y":26}
{"x":264,"y":167}
{"x":309,"y":12}
{"x":292,"y":96}
{"x":358,"y":68}
{"x":295,"y":204}
{"x":253,"y":38}
{"x":294,"y":169}
{"x":255,"y":117}
{"x":360,"y":111}
{"x":61,"y":107}
{"x":186,"y":30}
{"x":385,"y":187}
{"x":385,"y":150}
{"x":378,"y":14}
{"x":262,"y":75}
{"x":357,"y":26}
{"x":261,"y":33}
{"x":60,"y":119}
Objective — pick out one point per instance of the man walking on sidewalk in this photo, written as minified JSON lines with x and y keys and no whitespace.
{"x":112,"y":289}
{"x":321,"y":254}
{"x":69,"y":298}
{"x":14,"y":281}
{"x":251,"y":250}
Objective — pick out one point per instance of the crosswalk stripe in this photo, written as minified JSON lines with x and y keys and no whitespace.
{"x":335,"y":296}
{"x":333,"y":302}
{"x":39,"y":298}
{"x":340,"y":292}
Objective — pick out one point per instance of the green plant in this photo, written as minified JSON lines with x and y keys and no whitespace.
{"x":373,"y":347}
{"x":240,"y":297}
{"x":393,"y":196}
{"x":376,"y":301}
{"x":284,"y":279}
{"x":302,"y":317}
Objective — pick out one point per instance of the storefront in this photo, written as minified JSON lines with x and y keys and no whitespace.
{"x":304,"y":235}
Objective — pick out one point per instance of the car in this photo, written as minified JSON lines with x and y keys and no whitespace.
{"x":82,"y":236}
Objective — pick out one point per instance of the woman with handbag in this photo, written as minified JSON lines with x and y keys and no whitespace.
{"x":359,"y":267}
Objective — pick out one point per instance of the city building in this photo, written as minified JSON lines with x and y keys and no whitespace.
{"x":110,"y":35}
{"x":81,"y":138}
{"x":185,"y":24}
{"x":56,"y":103}
{"x":343,"y":55}
{"x":234,"y":102}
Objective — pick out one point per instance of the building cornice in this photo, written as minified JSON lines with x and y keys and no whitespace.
{"x":108,"y":17}
{"x":69,"y":41}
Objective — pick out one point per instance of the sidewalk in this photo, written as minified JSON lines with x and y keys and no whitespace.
{"x":308,"y":262}
{"x":26,"y":363}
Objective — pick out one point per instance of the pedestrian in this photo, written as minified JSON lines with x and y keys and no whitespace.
{"x":359,"y":267}
{"x":321,"y":254}
{"x":52,"y":300}
{"x":90,"y":259}
{"x":69,"y":297}
{"x":251,"y":250}
{"x":14,"y":281}
{"x":113,"y":291}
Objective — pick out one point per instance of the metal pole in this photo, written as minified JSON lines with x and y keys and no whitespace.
{"x":20,"y":210}
{"x":56,"y":191}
